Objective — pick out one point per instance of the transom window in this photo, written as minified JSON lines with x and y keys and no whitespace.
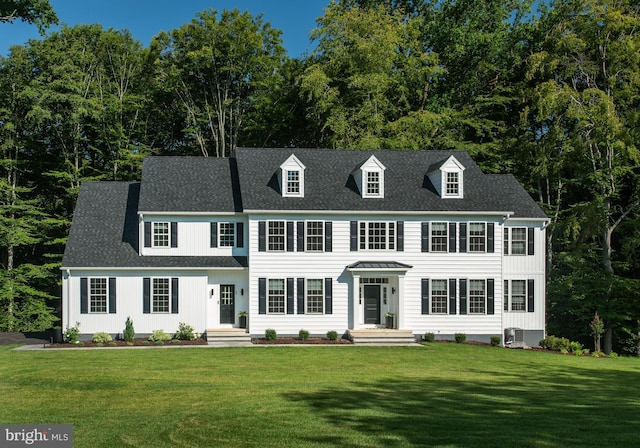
{"x":439,"y":295}
{"x":373,"y":183}
{"x":477,"y":297}
{"x":439,"y":237}
{"x":160,"y":234}
{"x":377,"y":235}
{"x":293,"y":182}
{"x":161,"y":295}
{"x":98,"y":295}
{"x":315,"y":296}
{"x":518,"y":295}
{"x":276,"y":296}
{"x":477,"y":237}
{"x":315,"y":236}
{"x":452,"y":184}
{"x":276,"y":236}
{"x":227,"y":234}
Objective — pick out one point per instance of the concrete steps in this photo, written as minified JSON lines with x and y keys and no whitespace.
{"x":381,"y":336}
{"x":227,"y":335}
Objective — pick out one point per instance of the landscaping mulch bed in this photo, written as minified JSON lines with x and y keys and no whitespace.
{"x":298,"y":341}
{"x":138,"y":342}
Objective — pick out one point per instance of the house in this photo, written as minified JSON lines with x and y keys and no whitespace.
{"x":308,"y":239}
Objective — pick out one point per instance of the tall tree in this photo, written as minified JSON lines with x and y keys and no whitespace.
{"x":38,"y":12}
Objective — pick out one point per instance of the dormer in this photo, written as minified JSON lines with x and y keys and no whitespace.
{"x":292,"y":177}
{"x":369,"y":178}
{"x":448,"y":178}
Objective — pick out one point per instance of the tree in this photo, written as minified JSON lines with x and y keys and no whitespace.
{"x":38,"y":12}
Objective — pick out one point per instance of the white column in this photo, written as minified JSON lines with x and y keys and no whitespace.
{"x":356,"y":302}
{"x":401,"y":311}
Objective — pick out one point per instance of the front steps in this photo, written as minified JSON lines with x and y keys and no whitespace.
{"x":381,"y":336}
{"x":218,"y":335}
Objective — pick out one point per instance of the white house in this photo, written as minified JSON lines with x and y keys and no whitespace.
{"x":308,"y":239}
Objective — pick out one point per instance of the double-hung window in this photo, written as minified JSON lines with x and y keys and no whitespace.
{"x":276,"y":296}
{"x":315,"y":296}
{"x":276,"y":236}
{"x":161,"y":295}
{"x":439,"y":237}
{"x":227,"y":234}
{"x":477,"y":297}
{"x":477,"y":237}
{"x":377,"y":235}
{"x":518,"y":241}
{"x":517,"y":300}
{"x":98,"y":298}
{"x":315,"y":236}
{"x":373,"y":183}
{"x":160,"y":234}
{"x":439,"y":296}
{"x":293,"y":182}
{"x":452,"y":184}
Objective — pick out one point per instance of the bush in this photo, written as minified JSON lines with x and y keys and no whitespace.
{"x":129,"y":334}
{"x":159,"y":335}
{"x":559,"y":344}
{"x":303,"y":335}
{"x":185,"y":332}
{"x":460,"y":337}
{"x":72,"y":334}
{"x":270,"y":334}
{"x":332,"y":335}
{"x":101,"y":337}
{"x":429,"y":336}
{"x":495,"y":340}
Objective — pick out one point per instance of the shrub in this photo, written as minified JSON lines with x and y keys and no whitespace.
{"x":101,"y":337}
{"x":129,"y":333}
{"x":495,"y":340}
{"x":72,"y":334}
{"x":555,"y":343}
{"x":177,"y":341}
{"x":270,"y":334}
{"x":332,"y":335}
{"x":460,"y":337}
{"x":185,"y":332}
{"x":303,"y":335}
{"x":159,"y":335}
{"x":112,"y":344}
{"x":429,"y":336}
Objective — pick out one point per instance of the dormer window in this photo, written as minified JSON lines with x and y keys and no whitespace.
{"x":448,"y":178}
{"x":292,"y":177}
{"x":370,"y":178}
{"x":373,"y":184}
{"x":452,"y":184}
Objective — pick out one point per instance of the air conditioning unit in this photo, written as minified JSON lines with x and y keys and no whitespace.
{"x":513,"y":336}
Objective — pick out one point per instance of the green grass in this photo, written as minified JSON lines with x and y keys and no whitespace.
{"x":449,"y":395}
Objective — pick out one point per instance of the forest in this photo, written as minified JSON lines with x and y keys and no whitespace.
{"x":547,"y":91}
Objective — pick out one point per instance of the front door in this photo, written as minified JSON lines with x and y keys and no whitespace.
{"x":371,"y":304}
{"x":227,"y":304}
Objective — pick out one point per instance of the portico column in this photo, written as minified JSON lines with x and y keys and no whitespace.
{"x":401,"y":310}
{"x":355,"y":323}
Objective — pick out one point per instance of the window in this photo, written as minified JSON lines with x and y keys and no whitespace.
{"x":293,"y":182}
{"x":518,"y":295}
{"x":477,"y":237}
{"x":98,"y":295}
{"x":315,"y":296}
{"x":439,"y":296}
{"x":276,"y":236}
{"x":373,"y":183}
{"x":377,"y":235}
{"x":477,"y":297}
{"x":227,"y":234}
{"x":452,"y":185}
{"x":160,"y":234}
{"x":519,"y":241}
{"x":276,"y":296}
{"x":161,"y":296}
{"x":439,"y":237}
{"x":315,"y":236}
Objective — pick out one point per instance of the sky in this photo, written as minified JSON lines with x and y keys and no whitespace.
{"x":146,"y":18}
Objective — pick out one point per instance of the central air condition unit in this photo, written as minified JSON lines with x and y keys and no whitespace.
{"x":513,"y":336}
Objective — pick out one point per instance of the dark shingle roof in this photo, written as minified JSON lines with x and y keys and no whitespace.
{"x":379,"y":265}
{"x":104,"y":233}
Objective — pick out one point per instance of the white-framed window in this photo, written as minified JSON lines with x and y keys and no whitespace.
{"x":276,"y":296}
{"x":477,"y":237}
{"x":373,"y":183}
{"x":377,"y":235}
{"x":439,"y":296}
{"x":160,"y":234}
{"x":439,"y":237}
{"x":98,"y":295}
{"x":477,"y":297}
{"x":276,"y":236}
{"x":515,"y":297}
{"x":314,"y":296}
{"x":227,"y":234}
{"x":315,"y":236}
{"x":518,"y":241}
{"x":292,"y":177}
{"x":452,"y":183}
{"x":293,"y":183}
{"x":161,"y":295}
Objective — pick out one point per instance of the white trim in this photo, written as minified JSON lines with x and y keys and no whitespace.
{"x":208,"y":214}
{"x":396,"y":213}
{"x":158,"y":268}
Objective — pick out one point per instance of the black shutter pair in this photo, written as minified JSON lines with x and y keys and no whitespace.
{"x":239,"y":235}
{"x":84,"y":295}
{"x":146,"y":295}
{"x":173,"y":232}
{"x":353,"y":236}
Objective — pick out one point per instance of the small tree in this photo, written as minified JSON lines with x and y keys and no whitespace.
{"x":597,"y":330}
{"x":129,"y":333}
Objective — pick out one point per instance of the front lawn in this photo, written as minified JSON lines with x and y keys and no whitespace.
{"x":449,"y":395}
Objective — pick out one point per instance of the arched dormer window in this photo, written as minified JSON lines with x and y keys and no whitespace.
{"x":292,"y":177}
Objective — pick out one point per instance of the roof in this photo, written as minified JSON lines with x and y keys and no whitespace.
{"x":330,"y":186}
{"x":104,"y":233}
{"x":378,"y":265}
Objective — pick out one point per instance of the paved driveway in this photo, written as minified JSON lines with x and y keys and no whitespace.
{"x":25,"y":338}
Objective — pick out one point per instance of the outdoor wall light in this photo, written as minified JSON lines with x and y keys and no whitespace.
{"x":393,"y":290}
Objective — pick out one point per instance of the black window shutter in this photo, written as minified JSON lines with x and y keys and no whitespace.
{"x":530,"y":241}
{"x":300,"y":295}
{"x":262,"y":295}
{"x":289,"y":236}
{"x":328,"y":236}
{"x":84,"y":297}
{"x":353,"y":236}
{"x":290,"y":296}
{"x":463,"y":296}
{"x":262,"y":237}
{"x":328,"y":296}
{"x":452,"y":296}
{"x":147,"y":234}
{"x":400,"y":236}
{"x":463,"y":237}
{"x":174,"y":296}
{"x":214,"y":234}
{"x":240,"y":234}
{"x":452,"y":237}
{"x":424,"y":236}
{"x":491,"y":301}
{"x":505,"y":294}
{"x":174,"y":234}
{"x":112,"y":295}
{"x":425,"y":295}
{"x":491,"y":237}
{"x":146,"y":295}
{"x":300,"y":226}
{"x":530,"y":295}
{"x":505,"y":250}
